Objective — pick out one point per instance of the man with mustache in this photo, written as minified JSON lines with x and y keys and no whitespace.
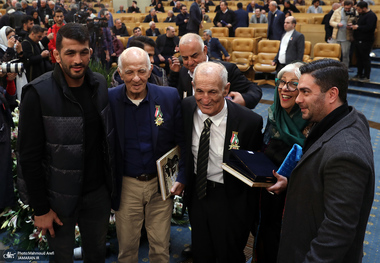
{"x":64,"y":145}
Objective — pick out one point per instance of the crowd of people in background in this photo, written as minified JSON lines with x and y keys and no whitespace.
{"x":84,"y":148}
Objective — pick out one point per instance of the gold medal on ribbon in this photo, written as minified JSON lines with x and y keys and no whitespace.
{"x":159,"y":116}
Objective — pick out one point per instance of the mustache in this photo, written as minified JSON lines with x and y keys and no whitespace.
{"x":78,"y":65}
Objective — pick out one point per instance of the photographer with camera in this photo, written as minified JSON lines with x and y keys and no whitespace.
{"x":101,"y":38}
{"x":10,"y":51}
{"x":342,"y":33}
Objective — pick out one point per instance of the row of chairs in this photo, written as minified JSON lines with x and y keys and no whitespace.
{"x":267,"y":50}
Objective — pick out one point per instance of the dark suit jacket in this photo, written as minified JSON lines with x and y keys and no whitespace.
{"x":216,"y":49}
{"x":164,"y":137}
{"x":148,"y":18}
{"x":295,"y":49}
{"x":171,"y":19}
{"x":249,"y":90}
{"x":180,"y":22}
{"x":330,"y":196}
{"x":161,"y":42}
{"x":195,"y":19}
{"x":149,"y":32}
{"x":276,"y":25}
{"x":326,"y":22}
{"x":229,"y":17}
{"x":239,"y":119}
{"x":242,"y":18}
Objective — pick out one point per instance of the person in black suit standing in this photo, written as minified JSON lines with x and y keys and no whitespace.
{"x":225,"y":18}
{"x":276,"y":19}
{"x":211,"y":194}
{"x":182,"y":20}
{"x":292,"y":45}
{"x":195,"y":20}
{"x":166,"y":46}
{"x":193,"y":52}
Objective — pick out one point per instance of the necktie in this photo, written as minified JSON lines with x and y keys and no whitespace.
{"x":202,"y":160}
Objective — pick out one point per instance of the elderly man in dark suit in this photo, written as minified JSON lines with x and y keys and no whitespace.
{"x":276,"y":19}
{"x":193,"y":52}
{"x":215,"y":49}
{"x":292,"y":45}
{"x":147,"y":121}
{"x":331,"y":189}
{"x":213,"y":126}
{"x":151,"y":17}
{"x":195,"y":20}
{"x":152,"y":30}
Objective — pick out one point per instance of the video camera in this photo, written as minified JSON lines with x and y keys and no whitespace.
{"x":96,"y":23}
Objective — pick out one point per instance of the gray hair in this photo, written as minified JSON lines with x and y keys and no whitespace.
{"x":274,"y":3}
{"x":212,"y":67}
{"x":151,"y":23}
{"x":153,"y":9}
{"x":190,"y":37}
{"x":124,"y":56}
{"x":208,"y":32}
{"x":291,"y":68}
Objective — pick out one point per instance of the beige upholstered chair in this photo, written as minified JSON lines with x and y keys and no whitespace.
{"x":219,"y":31}
{"x":242,"y":53}
{"x":326,"y":50}
{"x":242,"y":32}
{"x":307,"y":52}
{"x":267,"y":50}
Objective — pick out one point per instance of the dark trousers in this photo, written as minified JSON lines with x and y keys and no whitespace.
{"x":268,"y":237}
{"x":363,"y":49}
{"x":220,"y":226}
{"x":92,"y":216}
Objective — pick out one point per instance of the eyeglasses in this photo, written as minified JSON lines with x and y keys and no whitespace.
{"x":291,"y":85}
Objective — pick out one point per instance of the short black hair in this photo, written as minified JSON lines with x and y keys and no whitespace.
{"x":73,"y":31}
{"x":239,"y":5}
{"x":136,"y":29}
{"x":58,"y":10}
{"x":136,"y":43}
{"x":25,"y":19}
{"x":362,"y":4}
{"x":328,"y":73}
{"x":146,"y":41}
{"x":314,"y":1}
{"x":36,"y":29}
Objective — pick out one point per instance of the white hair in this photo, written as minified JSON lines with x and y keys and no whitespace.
{"x":137,"y":51}
{"x":209,"y":68}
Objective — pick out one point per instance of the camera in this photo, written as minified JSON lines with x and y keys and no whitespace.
{"x":18,"y":38}
{"x":96,"y":23}
{"x":351,"y":13}
{"x":9,"y":67}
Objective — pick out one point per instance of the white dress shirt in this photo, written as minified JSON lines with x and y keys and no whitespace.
{"x":284,"y":46}
{"x":217,"y":138}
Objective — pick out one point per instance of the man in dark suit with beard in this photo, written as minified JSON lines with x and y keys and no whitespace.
{"x":193,"y":52}
{"x":213,"y":125}
{"x":331,"y":190}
